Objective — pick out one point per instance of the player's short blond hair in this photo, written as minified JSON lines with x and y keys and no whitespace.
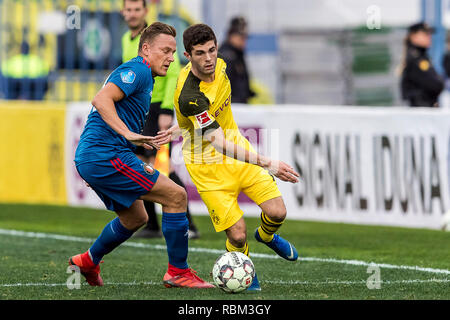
{"x":154,"y":30}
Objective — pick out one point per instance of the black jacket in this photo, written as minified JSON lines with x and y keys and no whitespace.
{"x":420,"y":83}
{"x":237,"y":73}
{"x":446,"y":63}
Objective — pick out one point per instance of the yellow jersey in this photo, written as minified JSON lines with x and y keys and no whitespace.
{"x":201,"y":106}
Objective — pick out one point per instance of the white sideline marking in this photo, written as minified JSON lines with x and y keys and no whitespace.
{"x":362,"y":282}
{"x":152,"y":283}
{"x":41,"y":235}
{"x":280,"y":282}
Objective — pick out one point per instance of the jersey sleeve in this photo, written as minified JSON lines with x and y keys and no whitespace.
{"x":196,"y":109}
{"x":131,"y":78}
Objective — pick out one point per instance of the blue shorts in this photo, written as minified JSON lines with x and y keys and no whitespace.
{"x":120,"y":181}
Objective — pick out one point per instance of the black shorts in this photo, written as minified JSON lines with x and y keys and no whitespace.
{"x":151,"y":128}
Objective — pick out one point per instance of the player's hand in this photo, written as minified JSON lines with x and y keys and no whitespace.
{"x":166,"y":136}
{"x":281,"y":170}
{"x":143,"y":141}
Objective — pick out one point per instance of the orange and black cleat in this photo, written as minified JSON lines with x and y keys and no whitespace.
{"x":88,"y":269}
{"x":186,"y":279}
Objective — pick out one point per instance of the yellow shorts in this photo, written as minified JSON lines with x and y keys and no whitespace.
{"x":230,"y":181}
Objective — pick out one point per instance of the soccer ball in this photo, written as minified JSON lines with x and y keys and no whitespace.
{"x":233,"y":272}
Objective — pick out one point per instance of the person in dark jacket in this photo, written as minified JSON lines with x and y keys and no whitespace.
{"x":233,"y":52}
{"x":420,"y":83}
{"x":446,"y":58}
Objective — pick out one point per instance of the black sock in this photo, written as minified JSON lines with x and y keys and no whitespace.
{"x":152,"y":223}
{"x":175,"y":178}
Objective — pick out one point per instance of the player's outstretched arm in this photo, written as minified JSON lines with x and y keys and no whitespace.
{"x":278,"y":168}
{"x":166,"y":136}
{"x":104,"y":103}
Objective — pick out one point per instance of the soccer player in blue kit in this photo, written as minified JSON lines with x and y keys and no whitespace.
{"x":105,"y":160}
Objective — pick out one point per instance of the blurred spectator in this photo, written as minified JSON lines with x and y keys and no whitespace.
{"x":446,"y":58}
{"x":420,"y":83}
{"x":25,"y":76}
{"x":233,"y":52}
{"x":134,"y":13}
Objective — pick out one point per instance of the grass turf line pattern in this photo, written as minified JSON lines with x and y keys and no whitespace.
{"x":41,"y":235}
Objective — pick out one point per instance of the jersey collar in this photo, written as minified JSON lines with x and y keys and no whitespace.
{"x":142,"y":60}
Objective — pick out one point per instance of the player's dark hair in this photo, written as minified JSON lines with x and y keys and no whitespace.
{"x":155,"y":29}
{"x":197,"y":34}
{"x":143,"y":1}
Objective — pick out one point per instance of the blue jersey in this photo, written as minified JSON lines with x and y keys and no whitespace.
{"x":98,"y":140}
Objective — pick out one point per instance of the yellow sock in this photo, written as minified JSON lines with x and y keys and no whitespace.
{"x":244,"y":249}
{"x":268,"y":228}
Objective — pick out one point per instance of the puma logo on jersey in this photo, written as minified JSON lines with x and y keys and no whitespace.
{"x":194,"y":102}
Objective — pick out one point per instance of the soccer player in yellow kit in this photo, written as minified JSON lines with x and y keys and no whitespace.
{"x":220,"y":161}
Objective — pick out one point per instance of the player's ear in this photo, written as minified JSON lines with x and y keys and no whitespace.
{"x":187,"y":55}
{"x":145,"y":48}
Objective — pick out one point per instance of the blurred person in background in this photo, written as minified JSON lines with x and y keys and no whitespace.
{"x":421,"y":85}
{"x":25,"y":75}
{"x":446,"y":58}
{"x":233,"y":52}
{"x":160,"y":116}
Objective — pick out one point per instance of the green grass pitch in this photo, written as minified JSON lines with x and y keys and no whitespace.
{"x":334,"y":260}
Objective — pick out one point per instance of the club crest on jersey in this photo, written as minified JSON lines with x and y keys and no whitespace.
{"x":203,"y":119}
{"x":148,"y":169}
{"x":214,"y":217}
{"x":128,"y":76}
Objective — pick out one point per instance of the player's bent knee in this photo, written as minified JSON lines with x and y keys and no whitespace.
{"x":238,"y":239}
{"x":140,"y":221}
{"x":143,"y":220}
{"x":179,"y":199}
{"x":134,"y":223}
{"x":277,"y":215}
